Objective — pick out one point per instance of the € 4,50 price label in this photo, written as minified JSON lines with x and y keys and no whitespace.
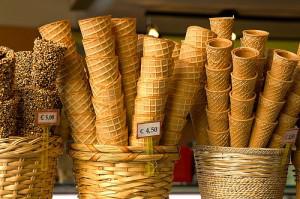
{"x":48,"y":117}
{"x":148,"y":129}
{"x":290,"y":137}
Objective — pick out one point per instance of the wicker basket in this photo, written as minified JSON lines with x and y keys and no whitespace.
{"x":225,"y":172}
{"x":103,"y":171}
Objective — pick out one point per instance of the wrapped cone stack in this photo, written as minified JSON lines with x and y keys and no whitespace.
{"x":271,"y":101}
{"x":242,"y":96}
{"x":256,"y":39}
{"x":105,"y":81}
{"x":153,"y":87}
{"x":222,"y":26}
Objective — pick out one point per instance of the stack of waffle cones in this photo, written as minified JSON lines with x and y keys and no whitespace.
{"x":257,"y":39}
{"x":152,"y":86}
{"x":242,"y":96}
{"x":271,"y":101}
{"x":222,"y":26}
{"x":72,"y":83}
{"x":218,"y":70}
{"x":105,"y":81}
{"x":124,"y":30}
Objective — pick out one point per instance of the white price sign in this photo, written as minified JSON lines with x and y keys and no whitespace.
{"x":290,"y":137}
{"x":48,"y":117}
{"x":148,"y":129}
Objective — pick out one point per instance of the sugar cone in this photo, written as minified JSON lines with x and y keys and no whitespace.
{"x":126,"y":46}
{"x":69,"y":43}
{"x":218,"y":138}
{"x":244,"y":62}
{"x":243,"y":88}
{"x":276,"y":89}
{"x":270,"y":56}
{"x":217,"y":121}
{"x":172,"y":140}
{"x":276,"y":141}
{"x":268,"y":110}
{"x":218,"y":53}
{"x":129,"y":65}
{"x":140,"y":45}
{"x":112,"y":123}
{"x":218,"y":79}
{"x":256,"y":39}
{"x":292,"y":106}
{"x":153,"y":88}
{"x":188,"y":71}
{"x":179,"y":109}
{"x":56,"y":31}
{"x":95,"y":27}
{"x":260,"y":66}
{"x":88,"y":137}
{"x":261,"y":133}
{"x":190,"y":53}
{"x":199,"y":122}
{"x":109,"y":91}
{"x":155,"y":68}
{"x":156,"y":47}
{"x":176,"y":51}
{"x":222,"y":26}
{"x":284,"y":64}
{"x":198,"y":36}
{"x":217,"y":100}
{"x":240,"y":131}
{"x":242,"y":109}
{"x":104,"y":47}
{"x":123,"y":26}
{"x":285,"y":123}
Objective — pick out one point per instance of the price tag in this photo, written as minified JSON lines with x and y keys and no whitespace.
{"x":148,"y":129}
{"x":290,"y":137}
{"x":48,"y":117}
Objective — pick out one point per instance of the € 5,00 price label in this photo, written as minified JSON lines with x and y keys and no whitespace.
{"x":148,"y":129}
{"x":48,"y":117}
{"x":290,"y":137}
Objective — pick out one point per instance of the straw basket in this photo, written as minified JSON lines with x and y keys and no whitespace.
{"x":103,"y":171}
{"x":225,"y":172}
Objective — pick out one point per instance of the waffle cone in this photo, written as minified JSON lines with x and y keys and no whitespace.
{"x":82,"y":122}
{"x":261,"y":133}
{"x":285,"y":123}
{"x":259,"y":86}
{"x":154,"y":105}
{"x":268,"y":110}
{"x":190,"y":53}
{"x":199,"y":122}
{"x":218,"y":53}
{"x":176,"y":51}
{"x":123,"y":26}
{"x":174,"y":123}
{"x":70,"y":45}
{"x":104,"y":110}
{"x":222,"y":26}
{"x":117,"y":138}
{"x":244,"y":62}
{"x":276,"y":141}
{"x":292,"y":106}
{"x":218,"y":138}
{"x":111,"y":124}
{"x":218,"y":79}
{"x":56,"y":31}
{"x":217,"y":100}
{"x":183,"y":88}
{"x":179,"y":109}
{"x":240,"y":131}
{"x":276,"y":89}
{"x":67,"y":86}
{"x":217,"y":121}
{"x":129,"y":65}
{"x":156,"y":47}
{"x":261,"y":66}
{"x":243,"y":88}
{"x":77,"y":99}
{"x":96,"y":46}
{"x":256,"y":39}
{"x":153,"y":88}
{"x":88,"y":137}
{"x":127,"y":46}
{"x":188,"y":71}
{"x":173,"y":139}
{"x":242,"y":109}
{"x":155,"y":68}
{"x":283,"y":65}
{"x":95,"y":27}
{"x":198,"y":36}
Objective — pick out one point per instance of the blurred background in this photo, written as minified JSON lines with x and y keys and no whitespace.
{"x":167,"y":18}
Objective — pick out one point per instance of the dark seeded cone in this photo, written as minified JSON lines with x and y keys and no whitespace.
{"x":47,"y":59}
{"x":8,"y":113}
{"x":23,"y":68}
{"x":7,"y":64}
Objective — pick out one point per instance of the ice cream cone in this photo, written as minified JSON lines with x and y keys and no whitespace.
{"x":109,"y":93}
{"x":276,"y":89}
{"x":242,"y":109}
{"x":123,"y":26}
{"x":222,"y":26}
{"x":82,"y":122}
{"x":155,"y":68}
{"x":97,"y":46}
{"x":188,"y":71}
{"x":117,"y":138}
{"x":284,"y":64}
{"x":140,"y":45}
{"x":268,"y":110}
{"x":261,"y":133}
{"x":56,"y":31}
{"x":174,"y":123}
{"x":260,"y":66}
{"x":217,"y":101}
{"x":96,"y":26}
{"x":88,"y":137}
{"x":218,"y":53}
{"x":270,"y":56}
{"x":176,"y":51}
{"x":129,"y":65}
{"x":218,"y":79}
{"x":111,"y":123}
{"x":285,"y":123}
{"x":183,"y":88}
{"x":198,"y":36}
{"x":153,"y":88}
{"x":126,"y":46}
{"x":243,"y":88}
{"x":240,"y":131}
{"x":256,"y":39}
{"x":155,"y":47}
{"x":190,"y":53}
{"x":276,"y":141}
{"x":199,"y":122}
{"x":103,"y":109}
{"x":179,"y":109}
{"x":217,"y":121}
{"x":292,"y":106}
{"x":218,"y":138}
{"x":244,"y":62}
{"x":150,"y":105}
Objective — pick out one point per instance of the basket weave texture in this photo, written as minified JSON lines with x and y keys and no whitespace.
{"x":104,"y":171}
{"x":225,"y":172}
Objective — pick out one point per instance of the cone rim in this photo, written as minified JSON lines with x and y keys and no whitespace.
{"x":227,"y":43}
{"x":235,"y":53}
{"x":244,"y":79}
{"x":278,"y":80}
{"x":213,"y":91}
{"x":243,"y":100}
{"x":283,"y":54}
{"x":218,"y":70}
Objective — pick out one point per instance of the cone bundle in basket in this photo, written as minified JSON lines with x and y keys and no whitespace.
{"x":152,"y":87}
{"x":222,"y":26}
{"x":105,"y":80}
{"x":256,"y":39}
